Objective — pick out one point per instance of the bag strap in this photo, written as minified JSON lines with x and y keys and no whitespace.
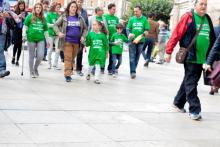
{"x":197,"y":33}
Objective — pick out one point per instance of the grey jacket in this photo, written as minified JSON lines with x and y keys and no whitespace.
{"x":61,"y":25}
{"x":215,"y":52}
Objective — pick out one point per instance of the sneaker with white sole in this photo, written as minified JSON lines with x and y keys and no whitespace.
{"x":97,"y":81}
{"x":88,"y":77}
{"x":181,"y":110}
{"x":195,"y":116}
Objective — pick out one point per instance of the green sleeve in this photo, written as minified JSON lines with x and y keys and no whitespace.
{"x":147,"y":25}
{"x":88,"y":40}
{"x":48,"y":18}
{"x":105,"y":43}
{"x":112,"y":38}
{"x":45,"y":26}
{"x":125,"y":39}
{"x":27,"y":20}
{"x":129,"y":25}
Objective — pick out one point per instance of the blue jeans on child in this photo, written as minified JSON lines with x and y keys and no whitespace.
{"x":116,"y":58}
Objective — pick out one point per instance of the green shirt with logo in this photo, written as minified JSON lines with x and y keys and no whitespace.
{"x":35,"y":31}
{"x":118,"y":49}
{"x":203,"y":39}
{"x":112,"y":21}
{"x":51,"y":19}
{"x":137,"y":26}
{"x":98,"y":43}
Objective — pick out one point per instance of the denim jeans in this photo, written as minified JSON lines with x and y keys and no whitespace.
{"x":188,"y":89}
{"x":116,"y":58}
{"x":110,"y":59}
{"x":149,"y":44}
{"x":2,"y":56}
{"x":134,"y":55}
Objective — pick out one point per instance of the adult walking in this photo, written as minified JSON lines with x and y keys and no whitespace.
{"x":79,"y":58}
{"x":3,"y":30}
{"x":17,"y":37}
{"x":184,"y":32}
{"x":137,"y":25}
{"x":71,"y":29}
{"x":112,"y":21}
{"x":35,"y":31}
{"x":151,"y":40}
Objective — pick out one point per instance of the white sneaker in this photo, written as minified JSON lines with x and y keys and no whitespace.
{"x":195,"y":116}
{"x":114,"y":76}
{"x":97,"y":81}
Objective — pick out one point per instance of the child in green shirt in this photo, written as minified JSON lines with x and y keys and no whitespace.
{"x":117,"y":42}
{"x":98,"y":51}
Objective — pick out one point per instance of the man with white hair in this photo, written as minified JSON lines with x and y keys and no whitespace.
{"x":196,"y":56}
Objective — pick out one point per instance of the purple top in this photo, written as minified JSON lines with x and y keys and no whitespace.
{"x":73,"y":29}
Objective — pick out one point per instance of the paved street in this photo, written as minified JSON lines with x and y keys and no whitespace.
{"x":48,"y":112}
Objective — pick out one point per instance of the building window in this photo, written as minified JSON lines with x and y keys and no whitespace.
{"x":91,"y":3}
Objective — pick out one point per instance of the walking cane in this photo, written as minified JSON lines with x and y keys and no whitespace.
{"x":22,"y":68}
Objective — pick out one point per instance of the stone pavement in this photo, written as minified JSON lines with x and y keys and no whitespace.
{"x":48,"y":112}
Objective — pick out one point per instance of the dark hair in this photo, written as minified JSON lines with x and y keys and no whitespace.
{"x":151,"y":15}
{"x":41,"y":15}
{"x":103,"y":28}
{"x":17,"y":9}
{"x":139,"y":7}
{"x":110,"y":6}
{"x":67,"y":11}
{"x":98,"y":9}
{"x":45,"y":2}
{"x":53,"y":6}
{"x":119,"y":26}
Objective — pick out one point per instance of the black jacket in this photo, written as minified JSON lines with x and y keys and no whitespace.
{"x":215,"y":52}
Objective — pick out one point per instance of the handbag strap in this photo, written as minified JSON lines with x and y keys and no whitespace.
{"x":197,"y":33}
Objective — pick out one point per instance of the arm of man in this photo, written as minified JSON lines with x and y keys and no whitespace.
{"x":214,"y":52}
{"x":178,"y":32}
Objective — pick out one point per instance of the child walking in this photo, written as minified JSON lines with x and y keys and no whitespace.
{"x":117,"y":42}
{"x":98,"y":51}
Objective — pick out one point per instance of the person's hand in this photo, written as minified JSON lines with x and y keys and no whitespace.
{"x":117,"y":42}
{"x":48,"y":45}
{"x":82,"y":40}
{"x":5,"y":14}
{"x":168,"y":58}
{"x":131,"y":36}
{"x":61,"y":35}
{"x":146,"y":33}
{"x":207,"y":67}
{"x":24,"y":38}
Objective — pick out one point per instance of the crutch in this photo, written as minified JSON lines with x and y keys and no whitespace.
{"x":22,"y":67}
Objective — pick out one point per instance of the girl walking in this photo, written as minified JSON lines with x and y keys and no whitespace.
{"x":17,"y":37}
{"x":71,"y":29}
{"x":98,"y":51}
{"x":35,"y":30}
{"x":51,"y":18}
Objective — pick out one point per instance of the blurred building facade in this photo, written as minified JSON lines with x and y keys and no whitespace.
{"x":182,"y":6}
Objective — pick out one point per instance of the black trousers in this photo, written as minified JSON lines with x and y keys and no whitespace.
{"x":110,"y":59}
{"x":17,"y":50}
{"x":79,"y":59}
{"x":188,"y":89}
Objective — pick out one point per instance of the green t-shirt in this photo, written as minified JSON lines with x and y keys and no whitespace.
{"x":203,"y":39}
{"x":35,"y":30}
{"x":51,"y":19}
{"x":99,"y":19}
{"x":137,"y":26}
{"x":98,"y":43}
{"x":118,"y":49}
{"x":112,"y":21}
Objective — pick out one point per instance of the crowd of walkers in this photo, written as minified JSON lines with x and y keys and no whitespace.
{"x":46,"y":29}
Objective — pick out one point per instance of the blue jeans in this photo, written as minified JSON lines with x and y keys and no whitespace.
{"x":2,"y":56}
{"x":134,"y":55}
{"x":116,"y":58}
{"x":149,"y":44}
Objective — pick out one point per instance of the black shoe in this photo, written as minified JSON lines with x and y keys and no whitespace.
{"x":68,"y":79}
{"x":133,"y":75}
{"x":4,"y":74}
{"x":13,"y":61}
{"x":146,"y":64}
{"x":44,"y":59}
{"x":17,"y":63}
